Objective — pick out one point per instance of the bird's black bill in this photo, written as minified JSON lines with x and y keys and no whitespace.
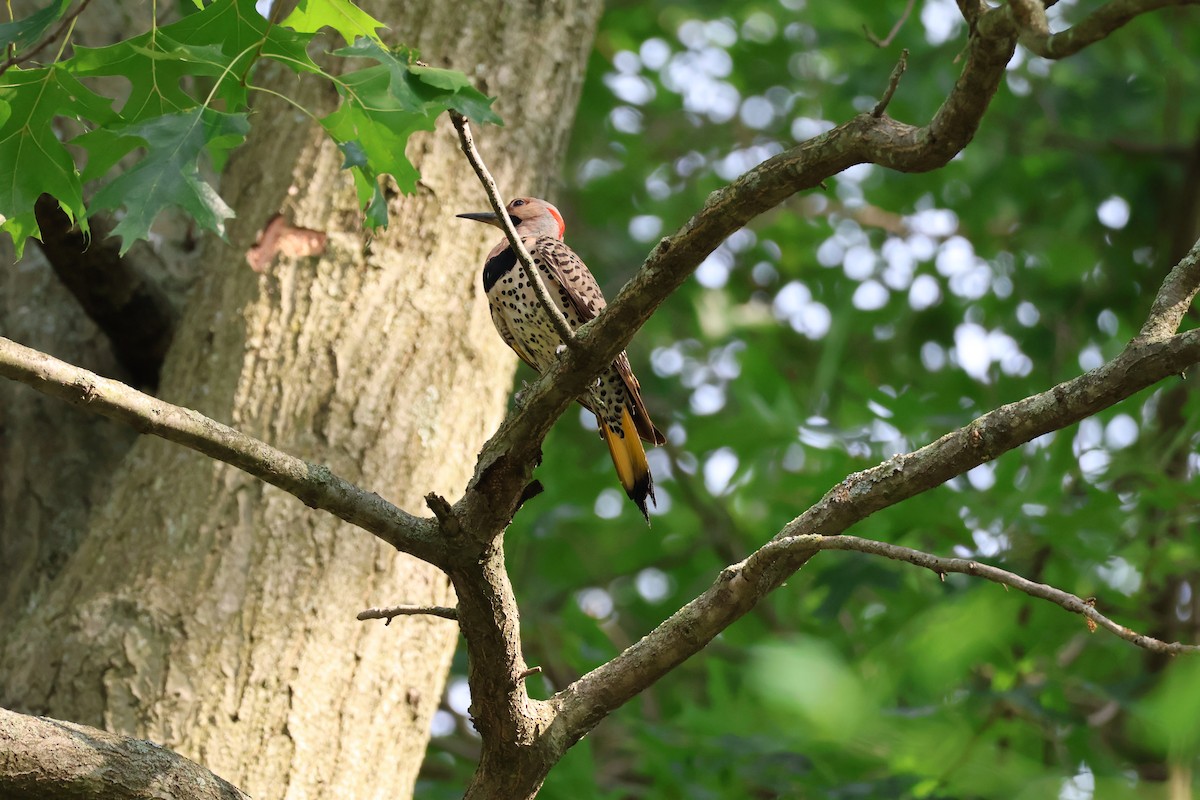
{"x":488,"y":217}
{"x":484,"y":216}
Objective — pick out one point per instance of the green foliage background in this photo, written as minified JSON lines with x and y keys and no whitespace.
{"x":866,"y":678}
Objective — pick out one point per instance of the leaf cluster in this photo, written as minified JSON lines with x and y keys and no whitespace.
{"x":189,"y":103}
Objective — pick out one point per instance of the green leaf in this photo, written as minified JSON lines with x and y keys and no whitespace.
{"x":466,"y":99}
{"x":373,"y":122}
{"x":168,"y":175}
{"x":376,"y":209}
{"x":355,"y":155}
{"x":105,"y":147}
{"x":392,"y":77}
{"x":382,"y":106}
{"x":172,"y":115}
{"x":441,"y":78}
{"x":422,"y":88}
{"x":236,"y":27}
{"x":221,"y":41}
{"x":27,"y":31}
{"x":33,"y":160}
{"x":155,"y":64}
{"x":344,"y":17}
{"x":366,"y":184}
{"x":475,"y":105}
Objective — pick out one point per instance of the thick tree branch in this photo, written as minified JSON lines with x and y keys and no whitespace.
{"x":314,"y":484}
{"x":48,"y":758}
{"x":510,"y":723}
{"x":972,"y":10}
{"x":967,"y":566}
{"x":1105,"y":20}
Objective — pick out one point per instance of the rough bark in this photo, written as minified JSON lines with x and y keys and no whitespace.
{"x":54,"y":461}
{"x":50,"y":758}
{"x":215,"y":615}
{"x":55,"y":464}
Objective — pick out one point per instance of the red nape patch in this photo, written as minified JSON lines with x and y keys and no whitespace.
{"x":562,"y":226}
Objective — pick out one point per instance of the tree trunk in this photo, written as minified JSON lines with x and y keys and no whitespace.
{"x":56,"y":463}
{"x":214,"y":614}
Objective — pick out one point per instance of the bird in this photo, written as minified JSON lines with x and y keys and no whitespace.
{"x":615,"y":398}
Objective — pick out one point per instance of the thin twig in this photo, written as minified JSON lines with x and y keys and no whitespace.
{"x":390,"y":612}
{"x":966,"y":566}
{"x":67,"y":21}
{"x":528,"y":672}
{"x":885,"y":41}
{"x":532,"y":273}
{"x":893,"y":82}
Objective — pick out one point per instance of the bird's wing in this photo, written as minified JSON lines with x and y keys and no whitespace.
{"x":571,"y":274}
{"x":584,"y":294}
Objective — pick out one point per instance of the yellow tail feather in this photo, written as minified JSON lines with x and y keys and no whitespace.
{"x":629,"y":457}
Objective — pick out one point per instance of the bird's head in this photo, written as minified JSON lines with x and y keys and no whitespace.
{"x":529,"y":215}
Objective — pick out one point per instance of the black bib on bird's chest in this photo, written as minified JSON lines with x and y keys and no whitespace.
{"x":497,"y":267}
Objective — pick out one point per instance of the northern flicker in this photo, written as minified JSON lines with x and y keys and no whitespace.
{"x":525,"y":326}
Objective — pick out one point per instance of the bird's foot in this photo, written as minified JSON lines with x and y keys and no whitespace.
{"x":519,"y":395}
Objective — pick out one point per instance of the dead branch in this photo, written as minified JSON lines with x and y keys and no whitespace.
{"x":886,"y":40}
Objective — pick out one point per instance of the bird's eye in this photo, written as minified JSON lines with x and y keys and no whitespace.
{"x":518,"y":203}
